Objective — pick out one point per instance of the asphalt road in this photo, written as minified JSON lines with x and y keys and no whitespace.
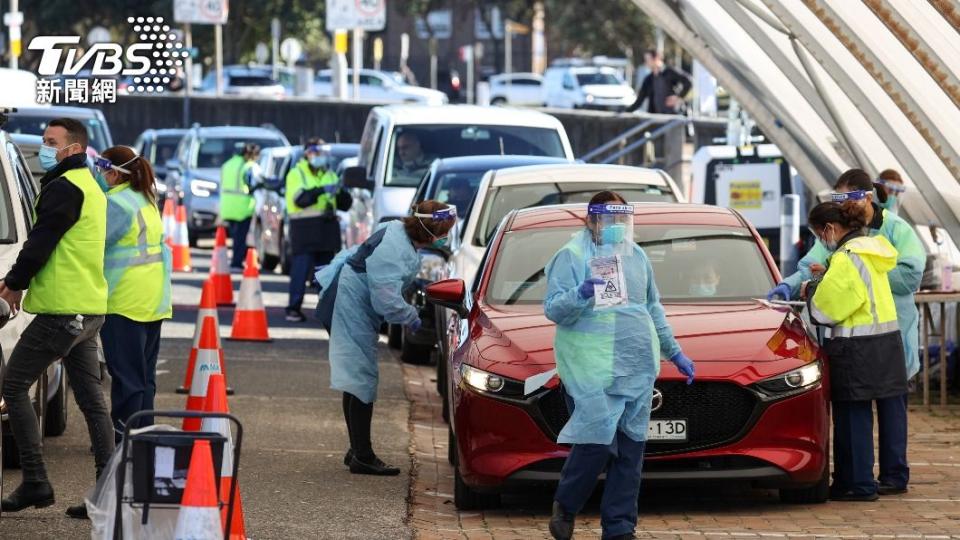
{"x":292,"y":479}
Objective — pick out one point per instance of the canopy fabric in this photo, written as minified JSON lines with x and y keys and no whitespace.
{"x":859,"y":83}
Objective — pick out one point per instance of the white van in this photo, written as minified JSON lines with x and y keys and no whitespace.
{"x":400,"y":142}
{"x":586,"y":87}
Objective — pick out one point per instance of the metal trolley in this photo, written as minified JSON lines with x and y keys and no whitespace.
{"x":139,"y":451}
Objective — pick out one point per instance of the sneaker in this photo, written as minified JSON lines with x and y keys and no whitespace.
{"x":295,"y":315}
{"x":890,"y":489}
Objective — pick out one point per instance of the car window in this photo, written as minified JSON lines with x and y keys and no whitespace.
{"x":164,"y":149}
{"x":324,"y":78}
{"x":457,"y":188}
{"x":370,"y":80}
{"x":526,"y":82}
{"x":597,"y":78}
{"x":214,"y":151}
{"x":681,"y":257}
{"x":25,"y":195}
{"x":568,"y":80}
{"x":503,"y":199}
{"x":413,"y":148}
{"x":35,"y":124}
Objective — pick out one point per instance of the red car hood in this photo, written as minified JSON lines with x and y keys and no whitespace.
{"x":518,"y":343}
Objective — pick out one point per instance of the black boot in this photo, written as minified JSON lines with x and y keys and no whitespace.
{"x":561,"y":523}
{"x":35,"y":494}
{"x":78,"y":512}
{"x":348,"y":457}
{"x":347,"y":400}
{"x":372,"y":466}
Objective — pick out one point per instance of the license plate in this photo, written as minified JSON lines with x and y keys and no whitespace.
{"x":667,"y":430}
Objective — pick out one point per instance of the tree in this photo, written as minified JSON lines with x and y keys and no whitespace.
{"x":617,"y":28}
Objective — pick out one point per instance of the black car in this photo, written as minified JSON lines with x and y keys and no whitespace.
{"x":455,"y":181}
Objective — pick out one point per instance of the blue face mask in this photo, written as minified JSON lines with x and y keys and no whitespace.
{"x":703,"y":289}
{"x":318,"y":162}
{"x":892,"y":203}
{"x":47,"y":157}
{"x":440,"y":243}
{"x":613,"y":234}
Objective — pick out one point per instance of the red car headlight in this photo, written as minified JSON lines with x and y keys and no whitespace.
{"x":792,"y":382}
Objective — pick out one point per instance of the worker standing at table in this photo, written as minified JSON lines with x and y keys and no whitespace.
{"x":857,"y":186}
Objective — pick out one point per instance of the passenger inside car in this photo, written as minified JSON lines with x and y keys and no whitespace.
{"x":704,"y":279}
{"x":411,"y":162}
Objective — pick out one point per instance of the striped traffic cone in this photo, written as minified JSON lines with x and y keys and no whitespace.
{"x":169,"y":221}
{"x":217,"y":402}
{"x":207,"y":363}
{"x":181,"y":242}
{"x":198,"y":517}
{"x":207,"y":308}
{"x":220,"y":269}
{"x":250,"y":317}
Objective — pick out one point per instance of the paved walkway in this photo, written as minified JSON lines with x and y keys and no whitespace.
{"x":931,"y":509}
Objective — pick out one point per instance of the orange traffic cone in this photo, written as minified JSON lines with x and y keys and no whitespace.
{"x":181,"y":242}
{"x":250,"y":317}
{"x":207,"y":363}
{"x":169,"y":221}
{"x":198,"y":518}
{"x":217,"y":402}
{"x":207,"y":308}
{"x":220,"y":269}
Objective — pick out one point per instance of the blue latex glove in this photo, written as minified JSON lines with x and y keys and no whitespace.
{"x":780,"y":292}
{"x":414,"y":326}
{"x":684,"y":365}
{"x":331,"y":188}
{"x":586,"y":288}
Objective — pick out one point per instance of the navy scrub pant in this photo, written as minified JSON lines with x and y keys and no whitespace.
{"x":623,"y":460}
{"x":130,"y":349}
{"x":892,"y":425}
{"x":853,"y":447}
{"x":302,"y":268}
{"x":238,"y":234}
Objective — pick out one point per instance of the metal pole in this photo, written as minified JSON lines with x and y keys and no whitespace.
{"x":218,"y":45}
{"x":275,"y":46}
{"x":507,"y":49}
{"x":433,"y":63}
{"x":469,"y":59}
{"x":14,"y":35}
{"x":357,"y":62}
{"x":188,"y":75}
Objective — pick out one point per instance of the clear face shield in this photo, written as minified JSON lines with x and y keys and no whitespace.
{"x":860,"y":196}
{"x":612,"y":227}
{"x":895,"y":192}
{"x":447,"y":214}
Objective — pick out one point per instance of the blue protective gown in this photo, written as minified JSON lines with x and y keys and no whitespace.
{"x":607,"y":359}
{"x":904,"y":279}
{"x":364,"y":302}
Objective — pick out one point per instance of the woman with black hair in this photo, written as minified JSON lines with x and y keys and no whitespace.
{"x":856,"y":187}
{"x":854,"y":299}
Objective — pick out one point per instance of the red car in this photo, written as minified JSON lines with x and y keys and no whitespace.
{"x":758,"y":410}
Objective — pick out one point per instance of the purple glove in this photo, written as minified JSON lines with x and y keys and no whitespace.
{"x":414,"y":326}
{"x":586,"y":288}
{"x":684,"y":365}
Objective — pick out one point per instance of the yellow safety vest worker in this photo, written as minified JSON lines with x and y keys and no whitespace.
{"x":71,"y":282}
{"x":854,"y":296}
{"x":137,"y":264}
{"x":300,"y":178}
{"x":236,"y":203}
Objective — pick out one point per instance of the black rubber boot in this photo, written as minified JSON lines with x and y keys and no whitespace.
{"x":35,"y":494}
{"x":561,"y":523}
{"x":78,"y":511}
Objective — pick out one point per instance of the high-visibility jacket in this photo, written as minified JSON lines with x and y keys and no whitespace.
{"x":137,"y":263}
{"x":236,"y":202}
{"x":71,"y":282}
{"x":302,"y":178}
{"x":865,"y":350}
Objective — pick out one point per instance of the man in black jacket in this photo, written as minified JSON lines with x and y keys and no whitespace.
{"x":664,"y":86}
{"x":61,"y":263}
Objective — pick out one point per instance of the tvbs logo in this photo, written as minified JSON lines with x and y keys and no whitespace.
{"x":102,"y":59}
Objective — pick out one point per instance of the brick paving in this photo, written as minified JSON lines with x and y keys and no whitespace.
{"x":931,"y":510}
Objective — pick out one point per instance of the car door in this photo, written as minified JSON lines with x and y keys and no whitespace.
{"x":526,"y":91}
{"x":569,"y":91}
{"x":17,"y":195}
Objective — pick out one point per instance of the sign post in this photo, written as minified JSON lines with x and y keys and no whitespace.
{"x":213,"y":12}
{"x":14,"y":19}
{"x":359,"y":16}
{"x":275,"y":46}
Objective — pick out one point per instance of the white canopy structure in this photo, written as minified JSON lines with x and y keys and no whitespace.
{"x":837,"y":84}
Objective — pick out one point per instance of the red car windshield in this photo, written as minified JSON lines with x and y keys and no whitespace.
{"x":686,"y":262}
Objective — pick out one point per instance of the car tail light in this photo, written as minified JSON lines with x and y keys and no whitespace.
{"x":792,"y":382}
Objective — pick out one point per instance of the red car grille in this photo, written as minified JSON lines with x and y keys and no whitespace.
{"x":716,"y":413}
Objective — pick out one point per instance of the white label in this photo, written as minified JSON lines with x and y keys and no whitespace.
{"x":667,"y":430}
{"x":613,"y":290}
{"x":163,"y":462}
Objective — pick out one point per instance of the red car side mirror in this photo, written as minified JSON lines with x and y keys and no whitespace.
{"x":449,"y":293}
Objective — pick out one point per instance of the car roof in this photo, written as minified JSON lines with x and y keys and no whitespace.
{"x":57,"y":111}
{"x":24,"y":138}
{"x":240,"y":69}
{"x":497,"y":161}
{"x":237,"y":131}
{"x":466,"y":114}
{"x":166,"y":132}
{"x":579,"y":172}
{"x":570,"y":215}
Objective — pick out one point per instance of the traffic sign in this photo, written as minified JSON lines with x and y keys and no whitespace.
{"x":439,"y":25}
{"x":369,"y":15}
{"x":290,"y":50}
{"x":200,"y":11}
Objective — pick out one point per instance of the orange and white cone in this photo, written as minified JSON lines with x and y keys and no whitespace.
{"x":169,"y":221}
{"x":207,"y":363}
{"x":199,"y":515}
{"x":217,"y":402}
{"x":220,"y":269}
{"x":207,"y":308}
{"x":181,"y":242}
{"x":250,"y":317}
